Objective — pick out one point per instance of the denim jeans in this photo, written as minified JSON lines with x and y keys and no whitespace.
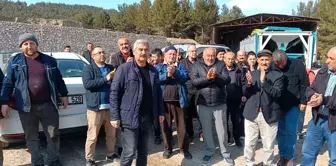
{"x":135,"y":144}
{"x":47,"y":114}
{"x":316,"y":136}
{"x":300,"y":122}
{"x":287,"y":133}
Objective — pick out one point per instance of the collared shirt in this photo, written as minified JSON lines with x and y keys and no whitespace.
{"x":125,"y":56}
{"x":329,"y":91}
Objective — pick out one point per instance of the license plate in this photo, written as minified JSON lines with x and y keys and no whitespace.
{"x":75,"y":99}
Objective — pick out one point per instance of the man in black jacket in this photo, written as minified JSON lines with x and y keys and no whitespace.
{"x":136,"y":99}
{"x":191,"y":110}
{"x":234,"y":92}
{"x":87,"y":54}
{"x":321,"y":97}
{"x":209,"y":76}
{"x":262,"y":109}
{"x":125,"y":53}
{"x":292,"y":101}
{"x":97,"y":80}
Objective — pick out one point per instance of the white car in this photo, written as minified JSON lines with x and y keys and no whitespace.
{"x":200,"y":48}
{"x":71,"y":66}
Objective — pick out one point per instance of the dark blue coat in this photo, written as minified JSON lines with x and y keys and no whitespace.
{"x":93,"y":81}
{"x":265,"y":96}
{"x":16,"y":81}
{"x":126,"y":95}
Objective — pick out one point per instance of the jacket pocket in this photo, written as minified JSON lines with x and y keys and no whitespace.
{"x":131,"y":93}
{"x":292,"y":80}
{"x":91,"y":100}
{"x":126,"y":119}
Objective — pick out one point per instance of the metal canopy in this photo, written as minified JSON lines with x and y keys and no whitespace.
{"x":264,"y":18}
{"x":232,"y":32}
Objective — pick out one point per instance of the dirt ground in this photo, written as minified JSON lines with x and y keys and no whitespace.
{"x":72,"y":153}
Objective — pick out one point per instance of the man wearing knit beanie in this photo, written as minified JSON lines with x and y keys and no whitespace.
{"x":36,"y":82}
{"x":27,"y":36}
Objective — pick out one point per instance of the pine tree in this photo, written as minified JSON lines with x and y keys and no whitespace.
{"x":164,"y":15}
{"x":143,"y":20}
{"x":102,"y":20}
{"x":85,"y":18}
{"x":327,"y":27}
{"x":232,"y":14}
{"x":184,"y":21}
{"x":204,"y":14}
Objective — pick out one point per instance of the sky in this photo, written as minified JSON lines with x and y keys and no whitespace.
{"x":249,"y":7}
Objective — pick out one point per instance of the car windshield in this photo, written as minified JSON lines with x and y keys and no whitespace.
{"x":71,"y":67}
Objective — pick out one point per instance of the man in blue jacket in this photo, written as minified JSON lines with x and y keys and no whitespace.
{"x":136,"y":99}
{"x":97,"y":80}
{"x":36,"y":83}
{"x":173,"y":78}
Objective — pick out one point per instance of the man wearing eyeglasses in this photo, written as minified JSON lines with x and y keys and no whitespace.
{"x":97,"y":80}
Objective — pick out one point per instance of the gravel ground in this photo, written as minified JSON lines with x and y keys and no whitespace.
{"x":72,"y":153}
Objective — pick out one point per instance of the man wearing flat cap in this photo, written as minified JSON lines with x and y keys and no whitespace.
{"x":173,"y":78}
{"x":36,"y":82}
{"x":262,"y":109}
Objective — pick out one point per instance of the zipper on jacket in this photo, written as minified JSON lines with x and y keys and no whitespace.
{"x":27,"y":91}
{"x":51,"y":88}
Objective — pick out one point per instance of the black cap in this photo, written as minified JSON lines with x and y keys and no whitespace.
{"x":264,"y":52}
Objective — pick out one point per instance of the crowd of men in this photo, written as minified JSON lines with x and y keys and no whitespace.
{"x":135,"y":93}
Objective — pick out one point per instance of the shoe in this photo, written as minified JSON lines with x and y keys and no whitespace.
{"x":187,"y":155}
{"x":281,"y":162}
{"x":113,"y":158}
{"x":228,"y":161}
{"x":157,"y":141}
{"x":231,"y":143}
{"x":238,"y":144}
{"x":120,"y":149}
{"x":90,"y":163}
{"x":56,"y":163}
{"x":167,"y":154}
{"x":191,"y":139}
{"x":206,"y":159}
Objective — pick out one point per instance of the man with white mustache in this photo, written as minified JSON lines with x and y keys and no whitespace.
{"x":262,"y":110}
{"x":210,"y":77}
